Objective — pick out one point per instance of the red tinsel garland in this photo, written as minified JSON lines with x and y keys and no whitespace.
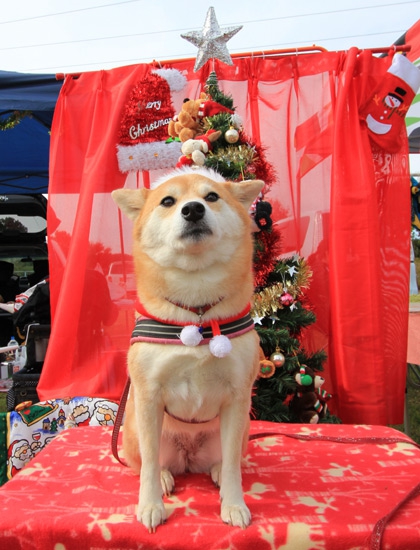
{"x":267,"y":251}
{"x":261,"y":168}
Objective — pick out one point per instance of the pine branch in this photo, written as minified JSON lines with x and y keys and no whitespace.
{"x":212,"y":89}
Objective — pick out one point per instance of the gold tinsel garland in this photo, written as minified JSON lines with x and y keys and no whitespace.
{"x":268,"y":301}
{"x":236,"y":154}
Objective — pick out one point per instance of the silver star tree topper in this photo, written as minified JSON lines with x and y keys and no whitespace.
{"x":211,"y":41}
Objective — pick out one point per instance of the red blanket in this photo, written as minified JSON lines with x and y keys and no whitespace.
{"x":320,"y":487}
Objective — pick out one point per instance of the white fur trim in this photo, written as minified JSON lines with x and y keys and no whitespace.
{"x":148,"y":156}
{"x":206,"y":172}
{"x":174,"y":78}
{"x":404,"y":69}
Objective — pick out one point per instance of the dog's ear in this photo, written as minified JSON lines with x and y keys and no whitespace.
{"x":130,"y":201}
{"x":246,"y":191}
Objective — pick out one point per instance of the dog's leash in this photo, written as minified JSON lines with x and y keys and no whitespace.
{"x":380,"y":526}
{"x":118,"y":422}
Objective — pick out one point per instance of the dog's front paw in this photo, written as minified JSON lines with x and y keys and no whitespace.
{"x":236,"y":515}
{"x":167,"y":482}
{"x":152,"y":515}
{"x":216,"y":474}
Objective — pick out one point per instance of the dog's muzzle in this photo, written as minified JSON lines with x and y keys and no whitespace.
{"x":195,"y":225}
{"x":193,"y":211}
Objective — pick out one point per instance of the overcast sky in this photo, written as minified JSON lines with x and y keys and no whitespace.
{"x":52,"y":36}
{"x":49,"y":36}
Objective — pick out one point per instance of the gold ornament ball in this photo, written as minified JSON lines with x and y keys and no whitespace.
{"x":278,"y":358}
{"x":231,"y":135}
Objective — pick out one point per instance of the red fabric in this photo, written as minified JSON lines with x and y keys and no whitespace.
{"x":314,"y":487}
{"x":337,"y":201}
{"x":367,"y":288}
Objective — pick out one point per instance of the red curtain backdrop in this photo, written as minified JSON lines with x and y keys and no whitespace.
{"x":339,"y":202}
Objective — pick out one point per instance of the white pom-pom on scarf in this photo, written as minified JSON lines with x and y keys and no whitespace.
{"x":191,"y":335}
{"x":220,"y":346}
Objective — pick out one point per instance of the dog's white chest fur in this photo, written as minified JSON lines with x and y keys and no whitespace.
{"x":189,"y":382}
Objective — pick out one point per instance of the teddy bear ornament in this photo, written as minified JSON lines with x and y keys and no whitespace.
{"x":309,"y":403}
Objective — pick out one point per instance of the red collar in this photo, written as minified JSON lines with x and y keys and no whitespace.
{"x":197,"y":310}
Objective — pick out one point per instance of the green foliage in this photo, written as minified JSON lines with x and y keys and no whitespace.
{"x":213,"y":90}
{"x":279,"y":325}
{"x":222,"y":122}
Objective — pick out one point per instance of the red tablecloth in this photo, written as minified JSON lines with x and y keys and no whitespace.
{"x":318,"y":487}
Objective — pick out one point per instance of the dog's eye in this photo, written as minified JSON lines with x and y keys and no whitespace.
{"x":211,"y":197}
{"x":167,"y":201}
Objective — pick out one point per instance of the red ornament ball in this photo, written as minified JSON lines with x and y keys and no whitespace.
{"x":286,"y":299}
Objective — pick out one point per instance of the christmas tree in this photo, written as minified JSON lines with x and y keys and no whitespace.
{"x":289,"y":387}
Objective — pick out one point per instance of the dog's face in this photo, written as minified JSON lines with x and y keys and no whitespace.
{"x":190,"y":221}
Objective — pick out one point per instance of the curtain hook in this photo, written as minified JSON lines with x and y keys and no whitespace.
{"x":392,"y":50}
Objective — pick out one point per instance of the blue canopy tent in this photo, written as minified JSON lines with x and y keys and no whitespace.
{"x":24,"y":148}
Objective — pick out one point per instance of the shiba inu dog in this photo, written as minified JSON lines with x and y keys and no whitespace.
{"x":194,"y":353}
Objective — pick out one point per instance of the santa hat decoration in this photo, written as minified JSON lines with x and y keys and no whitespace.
{"x":386,"y":109}
{"x":144,"y":124}
{"x":209,"y":108}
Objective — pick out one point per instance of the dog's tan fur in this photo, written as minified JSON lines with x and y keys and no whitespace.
{"x":175,"y":266}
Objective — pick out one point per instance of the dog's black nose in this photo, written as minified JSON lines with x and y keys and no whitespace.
{"x":193,"y":211}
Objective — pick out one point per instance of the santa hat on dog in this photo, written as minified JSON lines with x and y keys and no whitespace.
{"x":143,"y":137}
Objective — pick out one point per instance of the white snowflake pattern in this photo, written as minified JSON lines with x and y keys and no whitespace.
{"x":339,"y":471}
{"x":299,"y":535}
{"x":174,"y":503}
{"x":319,"y":506}
{"x":258,"y":489}
{"x":103,"y":523}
